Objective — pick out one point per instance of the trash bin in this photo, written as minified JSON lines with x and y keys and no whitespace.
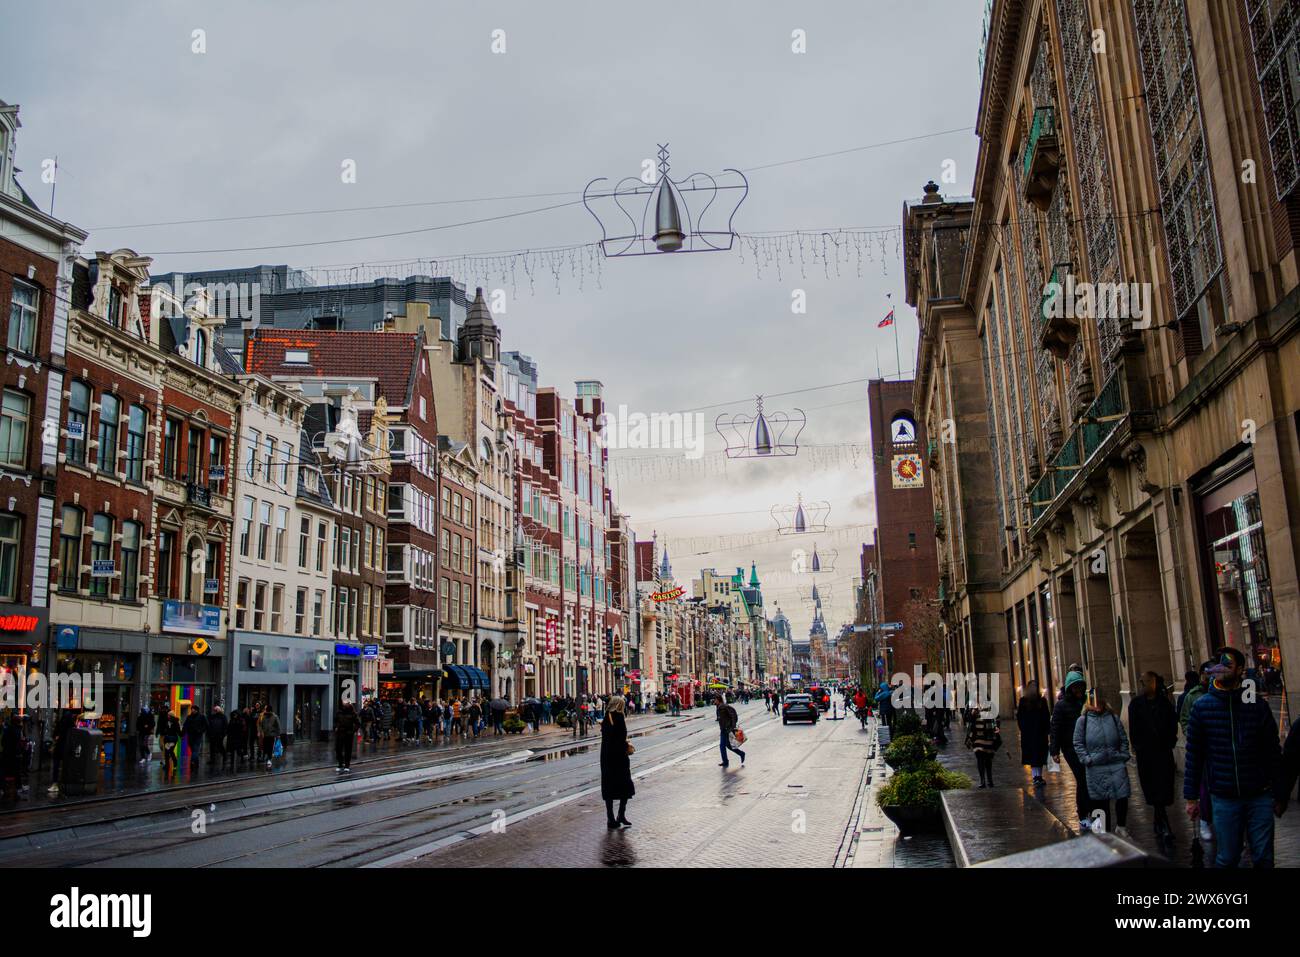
{"x":80,"y":770}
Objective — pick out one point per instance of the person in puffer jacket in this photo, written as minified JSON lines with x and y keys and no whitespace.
{"x":1102,"y":747}
{"x":1232,"y":736}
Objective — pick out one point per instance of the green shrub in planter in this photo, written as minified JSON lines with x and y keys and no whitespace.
{"x":906,"y":722}
{"x":909,"y":752}
{"x":513,"y":724}
{"x":920,"y":786}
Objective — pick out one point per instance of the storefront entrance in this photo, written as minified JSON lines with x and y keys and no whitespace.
{"x":1239,"y":585}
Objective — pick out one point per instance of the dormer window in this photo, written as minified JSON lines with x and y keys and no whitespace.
{"x":114,"y":307}
{"x":201,"y":348}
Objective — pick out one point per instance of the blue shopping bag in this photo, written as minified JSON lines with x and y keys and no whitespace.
{"x":278,"y":751}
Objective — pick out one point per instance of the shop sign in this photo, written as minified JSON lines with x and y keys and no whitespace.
{"x":668,"y":595}
{"x":18,"y":622}
{"x":190,"y":618}
{"x":199,"y":646}
{"x":211,"y":586}
{"x":796,"y":676}
{"x":67,"y":636}
{"x":216,"y":473}
{"x":102,"y":568}
{"x":552,"y":640}
{"x":370,"y":651}
{"x":347,"y":651}
{"x":530,"y":668}
{"x":385,"y":666}
{"x":76,"y":431}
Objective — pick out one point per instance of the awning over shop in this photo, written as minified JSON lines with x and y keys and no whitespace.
{"x":415,"y":674}
{"x":466,"y":677}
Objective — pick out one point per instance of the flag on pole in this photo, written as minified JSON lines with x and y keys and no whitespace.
{"x":887,"y":321}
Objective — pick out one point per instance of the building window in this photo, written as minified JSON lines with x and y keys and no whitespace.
{"x":911,"y":539}
{"x":281,"y":534}
{"x":322,"y":536}
{"x":444,"y":592}
{"x":194,"y":456}
{"x":259,"y":606}
{"x":23,"y":309}
{"x":78,"y":416}
{"x":304,"y":541}
{"x":317,"y":611}
{"x":17,"y":412}
{"x":241,"y":604}
{"x":246,"y":527}
{"x":277,"y":607}
{"x":166,"y":556}
{"x":171,"y":448}
{"x":212,"y":569}
{"x":70,"y":549}
{"x":130,"y":561}
{"x":110,"y":407}
{"x":250,"y":456}
{"x":263,"y":531}
{"x":101,"y":550}
{"x":137,"y":427}
{"x":216,"y":460}
{"x":300,"y":612}
{"x":11,"y":541}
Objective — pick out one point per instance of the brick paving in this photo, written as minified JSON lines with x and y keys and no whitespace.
{"x":791,"y":805}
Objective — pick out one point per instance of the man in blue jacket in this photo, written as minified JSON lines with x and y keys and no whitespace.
{"x":1232,"y":736}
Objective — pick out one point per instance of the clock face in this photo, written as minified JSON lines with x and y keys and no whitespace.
{"x":905,"y":471}
{"x":902,"y":431}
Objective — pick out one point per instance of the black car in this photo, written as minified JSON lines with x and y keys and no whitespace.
{"x":799,"y":707}
{"x":821,"y":697}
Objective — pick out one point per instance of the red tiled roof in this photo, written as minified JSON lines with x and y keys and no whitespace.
{"x":388,"y":357}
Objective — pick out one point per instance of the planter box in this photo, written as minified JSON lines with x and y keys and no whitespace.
{"x":914,"y":820}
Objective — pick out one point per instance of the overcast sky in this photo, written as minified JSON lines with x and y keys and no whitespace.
{"x":146,"y":130}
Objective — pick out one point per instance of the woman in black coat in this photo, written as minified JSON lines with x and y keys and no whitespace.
{"x":1034,"y":719}
{"x":1153,"y":732}
{"x":615,"y":768}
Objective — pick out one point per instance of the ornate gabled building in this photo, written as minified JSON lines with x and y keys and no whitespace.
{"x":1108,"y":346}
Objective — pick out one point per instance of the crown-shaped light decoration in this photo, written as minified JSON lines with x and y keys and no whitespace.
{"x":822,"y":561}
{"x":761,"y":435}
{"x":802,"y":517}
{"x":666,"y":223}
{"x":817,"y":595}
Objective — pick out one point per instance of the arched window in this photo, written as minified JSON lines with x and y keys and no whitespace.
{"x":485,"y":450}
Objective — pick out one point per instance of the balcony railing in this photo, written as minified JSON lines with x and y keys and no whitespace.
{"x":1095,"y":426}
{"x":1042,"y":158}
{"x":1058,"y":332}
{"x":199,"y":495}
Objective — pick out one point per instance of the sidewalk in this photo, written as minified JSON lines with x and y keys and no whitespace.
{"x":1058,"y":795}
{"x":128,"y":779}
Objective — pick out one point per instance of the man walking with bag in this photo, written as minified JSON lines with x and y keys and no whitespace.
{"x":728,"y":723}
